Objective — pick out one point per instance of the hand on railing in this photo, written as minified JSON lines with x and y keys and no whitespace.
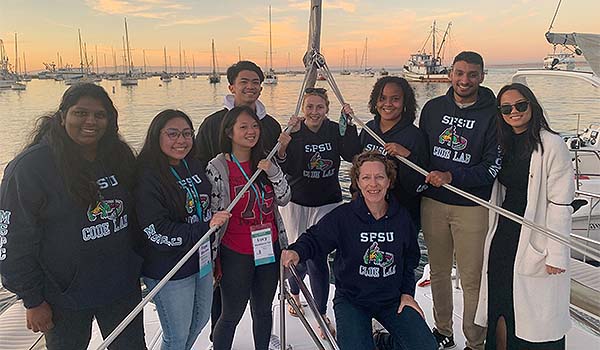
{"x":438,"y":178}
{"x":219,"y":218}
{"x":289,"y":257}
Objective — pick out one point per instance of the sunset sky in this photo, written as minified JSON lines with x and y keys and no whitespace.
{"x":510,"y":31}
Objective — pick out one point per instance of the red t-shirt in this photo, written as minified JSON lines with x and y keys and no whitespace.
{"x":246,"y":212}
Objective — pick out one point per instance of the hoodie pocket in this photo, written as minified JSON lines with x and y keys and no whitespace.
{"x":533,"y":262}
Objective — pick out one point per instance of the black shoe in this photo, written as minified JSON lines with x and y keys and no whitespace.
{"x":443,"y":341}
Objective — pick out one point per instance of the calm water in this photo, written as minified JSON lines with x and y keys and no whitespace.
{"x":562,"y":99}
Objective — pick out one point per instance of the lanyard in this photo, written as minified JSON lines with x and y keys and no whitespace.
{"x":193,"y":192}
{"x":259,"y":198}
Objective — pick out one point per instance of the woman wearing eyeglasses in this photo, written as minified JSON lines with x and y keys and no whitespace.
{"x":310,"y":156}
{"x":376,"y":256}
{"x":173,"y":209}
{"x":250,"y":244}
{"x":524,"y":295}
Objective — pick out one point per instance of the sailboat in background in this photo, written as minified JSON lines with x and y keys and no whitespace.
{"x":270,"y":77}
{"x":17,"y":85}
{"x":345,"y":70}
{"x":165,"y":76}
{"x":366,"y":71}
{"x":129,"y":79}
{"x":25,"y":76}
{"x":214,"y":76}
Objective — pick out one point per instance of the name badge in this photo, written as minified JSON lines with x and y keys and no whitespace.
{"x":262,"y":242}
{"x":205,"y":259}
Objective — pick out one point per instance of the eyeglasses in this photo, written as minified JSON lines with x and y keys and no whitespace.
{"x":313,"y":90}
{"x":519,"y":106}
{"x":173,"y":134}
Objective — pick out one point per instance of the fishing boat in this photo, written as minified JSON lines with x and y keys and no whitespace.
{"x":129,"y":79}
{"x":7,"y":78}
{"x":270,"y":76}
{"x":428,"y":67}
{"x":214,"y":76}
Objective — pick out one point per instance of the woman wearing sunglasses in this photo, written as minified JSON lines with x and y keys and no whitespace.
{"x":524,"y":295}
{"x":311,"y":159}
{"x":173,"y":209}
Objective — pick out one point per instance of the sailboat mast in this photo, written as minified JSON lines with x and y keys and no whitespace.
{"x":144,"y":56}
{"x":165,"y":53}
{"x":180,"y":64}
{"x":16,"y":57}
{"x":130,"y":64}
{"x":433,"y":41}
{"x":80,"y":51}
{"x":96,"y":48}
{"x":24,"y":65}
{"x":214,"y":63}
{"x":270,"y":43}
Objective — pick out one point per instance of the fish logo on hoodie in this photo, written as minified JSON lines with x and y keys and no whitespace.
{"x":105,"y":209}
{"x":449,"y":137}
{"x":375,"y":259}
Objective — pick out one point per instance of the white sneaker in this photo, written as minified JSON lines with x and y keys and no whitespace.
{"x":210,"y":347}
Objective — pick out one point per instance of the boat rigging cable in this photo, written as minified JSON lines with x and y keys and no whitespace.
{"x":313,"y":61}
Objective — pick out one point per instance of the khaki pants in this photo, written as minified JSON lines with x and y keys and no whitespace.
{"x":450,"y":229}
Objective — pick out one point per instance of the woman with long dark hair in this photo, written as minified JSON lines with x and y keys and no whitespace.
{"x":523,"y":267}
{"x":250,"y":243}
{"x":66,"y":224}
{"x":173,"y":208}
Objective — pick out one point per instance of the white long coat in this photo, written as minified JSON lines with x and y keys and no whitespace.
{"x":541,"y":300}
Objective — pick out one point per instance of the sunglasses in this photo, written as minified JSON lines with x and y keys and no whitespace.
{"x":519,"y":106}
{"x":173,"y":134}
{"x":312,"y":90}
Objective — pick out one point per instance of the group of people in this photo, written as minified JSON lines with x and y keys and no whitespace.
{"x":82,"y":218}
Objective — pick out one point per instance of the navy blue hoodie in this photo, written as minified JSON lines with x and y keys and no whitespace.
{"x":464,"y":142}
{"x":312,"y":163}
{"x":374,"y":260}
{"x":168,"y":236}
{"x":61,"y":252}
{"x":409,"y":183}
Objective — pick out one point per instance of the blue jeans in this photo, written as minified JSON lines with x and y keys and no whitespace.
{"x":408,"y":329}
{"x":183,"y":308}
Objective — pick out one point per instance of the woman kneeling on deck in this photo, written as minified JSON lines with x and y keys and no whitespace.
{"x":250,"y":244}
{"x":173,"y":208}
{"x":376,"y":254}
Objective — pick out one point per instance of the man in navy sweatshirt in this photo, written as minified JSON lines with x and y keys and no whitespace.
{"x":460,"y":128}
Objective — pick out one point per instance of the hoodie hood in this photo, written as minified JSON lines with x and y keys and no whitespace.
{"x":360,"y":209}
{"x":376,"y":125}
{"x":485,"y":98}
{"x":261,"y":110}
